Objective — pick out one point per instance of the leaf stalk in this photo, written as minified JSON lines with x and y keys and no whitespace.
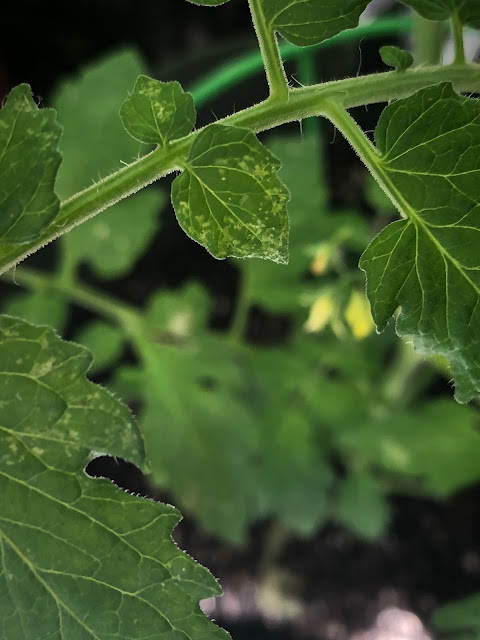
{"x":267,"y":40}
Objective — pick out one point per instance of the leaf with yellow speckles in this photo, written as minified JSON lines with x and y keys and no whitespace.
{"x":80,"y":558}
{"x":158,"y":112}
{"x":229,"y":198}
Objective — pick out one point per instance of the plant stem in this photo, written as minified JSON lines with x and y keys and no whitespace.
{"x":428,"y":37}
{"x":242,"y":304}
{"x":457,"y":33}
{"x":267,"y":40}
{"x":129,"y":318}
{"x":301,"y":103}
{"x":397,"y":387}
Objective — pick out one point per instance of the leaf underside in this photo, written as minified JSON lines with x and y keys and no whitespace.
{"x":29,"y":162}
{"x":229,"y":198}
{"x":428,"y":264}
{"x":306,"y":22}
{"x":79,"y":558}
{"x":468,"y":11}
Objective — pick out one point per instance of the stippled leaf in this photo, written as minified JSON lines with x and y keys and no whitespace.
{"x":158,"y":112}
{"x":396,"y":57}
{"x":29,"y":161}
{"x":229,"y":198}
{"x":468,"y":11}
{"x":428,"y":263}
{"x":80,"y":559}
{"x":93,"y":144}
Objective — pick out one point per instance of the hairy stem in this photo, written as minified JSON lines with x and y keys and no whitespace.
{"x":277,"y":80}
{"x":127,"y":317}
{"x":301,"y":103}
{"x":457,"y":33}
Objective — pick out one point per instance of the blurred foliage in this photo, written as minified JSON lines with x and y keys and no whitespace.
{"x":325,"y":424}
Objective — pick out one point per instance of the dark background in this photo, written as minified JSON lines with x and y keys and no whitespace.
{"x":432,"y":552}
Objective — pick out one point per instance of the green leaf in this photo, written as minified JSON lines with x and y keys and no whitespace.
{"x":468,"y":11}
{"x":158,"y":112}
{"x":39,"y":307}
{"x":294,"y":477}
{"x":428,"y":264}
{"x":29,"y":162}
{"x":396,"y":57}
{"x":93,"y":144}
{"x":306,"y":22}
{"x":229,"y":198}
{"x":362,"y":506}
{"x":200,"y":434}
{"x":462,"y":615}
{"x":104,"y":342}
{"x":80,"y":558}
{"x":439,"y":435}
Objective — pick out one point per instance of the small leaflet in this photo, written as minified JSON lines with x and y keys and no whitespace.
{"x":29,"y":162}
{"x":468,"y":11}
{"x":306,"y":22}
{"x":229,"y":198}
{"x":395,"y":57}
{"x":157,"y":112}
{"x":91,"y":560}
{"x":428,"y":263}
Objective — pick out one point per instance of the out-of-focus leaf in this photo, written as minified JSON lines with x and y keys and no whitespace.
{"x":158,"y":112}
{"x":424,"y":443}
{"x":362,"y":506}
{"x":179,"y":314}
{"x":229,"y":198}
{"x":80,"y":558}
{"x":200,"y":435}
{"x":110,"y":243}
{"x":93,"y":144}
{"x":39,"y":307}
{"x":104,"y":341}
{"x":29,"y":162}
{"x":461,"y":617}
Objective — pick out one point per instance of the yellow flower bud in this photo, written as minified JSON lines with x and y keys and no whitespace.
{"x":320,"y":314}
{"x":358,"y":316}
{"x":321,"y":259}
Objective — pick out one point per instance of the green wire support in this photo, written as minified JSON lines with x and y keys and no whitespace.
{"x":233,"y":72}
